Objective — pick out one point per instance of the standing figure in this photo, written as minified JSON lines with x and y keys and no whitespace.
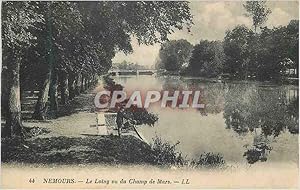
{"x":120,"y":120}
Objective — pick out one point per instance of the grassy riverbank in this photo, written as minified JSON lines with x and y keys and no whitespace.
{"x":68,"y":150}
{"x":107,"y":150}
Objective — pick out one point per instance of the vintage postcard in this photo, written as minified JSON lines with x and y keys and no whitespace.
{"x":149,"y":94}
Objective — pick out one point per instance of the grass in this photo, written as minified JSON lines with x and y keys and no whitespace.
{"x":66,"y":150}
{"x":108,"y":150}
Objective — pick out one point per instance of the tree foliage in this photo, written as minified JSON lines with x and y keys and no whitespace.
{"x":237,"y":50}
{"x":258,"y":11}
{"x":175,"y":54}
{"x":65,"y":45}
{"x":19,"y":20}
{"x":263,"y":56}
{"x":207,"y":59}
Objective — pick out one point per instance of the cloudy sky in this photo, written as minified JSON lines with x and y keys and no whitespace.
{"x":211,"y":20}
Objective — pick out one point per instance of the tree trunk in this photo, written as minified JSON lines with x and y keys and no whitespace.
{"x":95,"y":79}
{"x":82,"y":84}
{"x":78,"y":84}
{"x":89,"y":82}
{"x":64,"y":91}
{"x":71,"y":87}
{"x":41,"y":106}
{"x":53,"y":93}
{"x":4,"y":89}
{"x":42,"y":103}
{"x":85,"y":83}
{"x":14,"y":125}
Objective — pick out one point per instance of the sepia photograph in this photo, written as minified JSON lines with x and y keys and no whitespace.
{"x":150,"y":94}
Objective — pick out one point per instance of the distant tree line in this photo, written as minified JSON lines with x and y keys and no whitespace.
{"x":128,"y":66}
{"x":263,"y":55}
{"x":64,"y":46}
{"x":260,"y":54}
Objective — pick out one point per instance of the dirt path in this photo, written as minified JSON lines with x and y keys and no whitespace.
{"x":76,"y":119}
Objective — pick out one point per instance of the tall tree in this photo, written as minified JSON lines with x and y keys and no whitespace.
{"x":20,"y":19}
{"x":237,"y":51}
{"x":207,"y":59}
{"x":258,"y":11}
{"x":57,"y":26}
{"x":293,"y":38}
{"x":175,"y":54}
{"x":277,"y":51}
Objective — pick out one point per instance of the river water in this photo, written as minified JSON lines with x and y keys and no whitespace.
{"x":239,"y":117}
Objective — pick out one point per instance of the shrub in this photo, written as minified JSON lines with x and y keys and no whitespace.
{"x":166,"y":154}
{"x":209,"y":160}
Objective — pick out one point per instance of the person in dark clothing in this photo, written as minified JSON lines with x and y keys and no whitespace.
{"x":120,"y":120}
{"x":121,"y":115}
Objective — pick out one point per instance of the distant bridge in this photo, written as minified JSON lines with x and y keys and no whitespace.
{"x":117,"y":72}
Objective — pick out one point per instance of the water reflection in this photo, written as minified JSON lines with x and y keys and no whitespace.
{"x":266,"y":111}
{"x":250,"y":110}
{"x":250,"y":106}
